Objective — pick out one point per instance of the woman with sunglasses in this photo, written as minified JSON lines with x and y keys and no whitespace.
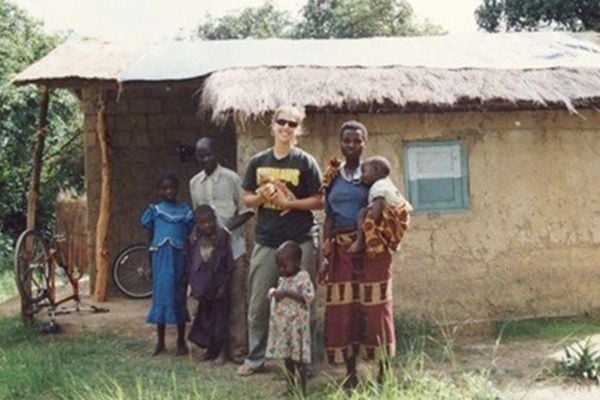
{"x":283,"y":183}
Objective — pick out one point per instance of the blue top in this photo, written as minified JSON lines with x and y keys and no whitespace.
{"x":344,"y":199}
{"x":169,"y":222}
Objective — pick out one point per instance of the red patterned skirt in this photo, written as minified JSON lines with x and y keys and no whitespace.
{"x":359,"y":320}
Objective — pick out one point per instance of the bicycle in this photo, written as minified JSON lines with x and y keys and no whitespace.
{"x":36,"y":268}
{"x":132,"y":272}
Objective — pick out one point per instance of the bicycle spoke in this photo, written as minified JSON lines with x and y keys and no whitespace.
{"x":131,"y":272}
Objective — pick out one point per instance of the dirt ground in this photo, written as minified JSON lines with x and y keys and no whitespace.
{"x":517,"y":369}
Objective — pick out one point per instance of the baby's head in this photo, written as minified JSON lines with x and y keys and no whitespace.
{"x":206,"y":220}
{"x":167,"y":186}
{"x":288,"y":257}
{"x":374,"y":169}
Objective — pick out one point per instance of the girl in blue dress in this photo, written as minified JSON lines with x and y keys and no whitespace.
{"x":169,"y":223}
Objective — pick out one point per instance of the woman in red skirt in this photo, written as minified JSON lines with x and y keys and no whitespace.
{"x":359,"y":320}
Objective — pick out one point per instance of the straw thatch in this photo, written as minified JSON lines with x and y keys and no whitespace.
{"x":71,"y":230}
{"x":82,"y":62}
{"x":254,"y":92}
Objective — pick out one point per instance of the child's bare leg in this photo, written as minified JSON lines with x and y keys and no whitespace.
{"x":351,"y":379}
{"x":290,"y":375}
{"x":384,"y":367}
{"x":160,"y":339}
{"x":303,"y":372}
{"x":359,"y":244}
{"x":181,"y":346}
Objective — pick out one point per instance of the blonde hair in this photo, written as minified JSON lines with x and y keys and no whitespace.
{"x":297,"y":112}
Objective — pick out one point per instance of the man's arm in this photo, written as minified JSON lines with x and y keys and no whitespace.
{"x":243,"y":213}
{"x":239,"y":220}
{"x":252,"y":199}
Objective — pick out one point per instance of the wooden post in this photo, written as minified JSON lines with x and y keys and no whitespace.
{"x":104,"y":208}
{"x":38,"y":151}
{"x":34,"y":190}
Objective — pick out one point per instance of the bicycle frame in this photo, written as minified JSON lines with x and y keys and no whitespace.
{"x":54,"y":261}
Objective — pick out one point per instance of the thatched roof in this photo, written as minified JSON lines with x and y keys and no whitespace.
{"x":79,"y":62}
{"x":253,"y":92}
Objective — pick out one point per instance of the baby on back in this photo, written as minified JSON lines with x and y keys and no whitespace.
{"x":385,"y":219}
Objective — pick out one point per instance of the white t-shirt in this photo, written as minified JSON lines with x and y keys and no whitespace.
{"x":385,"y":188}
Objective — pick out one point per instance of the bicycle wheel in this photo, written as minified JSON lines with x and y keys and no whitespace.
{"x":132,"y":272}
{"x":31,"y":267}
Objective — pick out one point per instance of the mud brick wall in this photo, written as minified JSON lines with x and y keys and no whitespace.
{"x":146,"y":126}
{"x":529,"y":244}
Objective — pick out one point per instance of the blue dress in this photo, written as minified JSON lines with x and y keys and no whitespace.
{"x":170,"y":224}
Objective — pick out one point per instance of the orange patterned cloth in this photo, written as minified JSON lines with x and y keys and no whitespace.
{"x":387,"y":235}
{"x":331,"y":171}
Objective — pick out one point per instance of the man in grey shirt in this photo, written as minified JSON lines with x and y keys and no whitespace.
{"x":220,"y":188}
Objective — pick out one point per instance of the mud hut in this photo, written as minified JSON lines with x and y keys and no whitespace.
{"x":495,"y":139}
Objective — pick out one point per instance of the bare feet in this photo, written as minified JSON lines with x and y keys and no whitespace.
{"x":206,"y":356}
{"x":160,"y":347}
{"x":220,"y":360}
{"x":351,"y":382}
{"x":182,"y":349}
{"x":246,"y":370}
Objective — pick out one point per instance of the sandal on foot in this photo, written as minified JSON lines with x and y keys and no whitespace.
{"x":246,"y":370}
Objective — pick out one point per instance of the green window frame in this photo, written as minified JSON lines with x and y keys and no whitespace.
{"x":437,"y":176}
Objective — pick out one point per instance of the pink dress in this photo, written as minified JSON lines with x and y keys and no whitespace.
{"x":289,"y":323}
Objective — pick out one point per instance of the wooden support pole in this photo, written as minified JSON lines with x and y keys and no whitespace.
{"x":34,"y":189}
{"x":38,"y":152}
{"x":102,"y":224}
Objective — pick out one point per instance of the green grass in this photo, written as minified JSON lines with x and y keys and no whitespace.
{"x":8,"y":288}
{"x":548,"y":329}
{"x":104,"y":367}
{"x":36,"y":366}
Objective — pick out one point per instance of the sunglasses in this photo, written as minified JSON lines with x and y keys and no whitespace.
{"x":283,"y":122}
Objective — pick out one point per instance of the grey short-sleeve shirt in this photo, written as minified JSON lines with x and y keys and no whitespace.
{"x":222,"y":191}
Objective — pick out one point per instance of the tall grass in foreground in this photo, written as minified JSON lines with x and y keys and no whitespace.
{"x":103,"y":367}
{"x":413,"y":384}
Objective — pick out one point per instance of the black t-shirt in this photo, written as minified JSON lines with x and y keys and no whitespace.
{"x":301,"y":174}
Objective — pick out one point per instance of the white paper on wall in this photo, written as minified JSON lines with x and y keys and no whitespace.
{"x":435,"y":162}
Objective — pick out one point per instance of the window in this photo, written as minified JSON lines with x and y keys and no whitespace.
{"x":437,"y":176}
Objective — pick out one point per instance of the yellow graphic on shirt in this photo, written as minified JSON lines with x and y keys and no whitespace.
{"x":283,"y":176}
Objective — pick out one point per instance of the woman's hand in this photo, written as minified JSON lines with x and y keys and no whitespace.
{"x":279,"y":199}
{"x":266,"y":191}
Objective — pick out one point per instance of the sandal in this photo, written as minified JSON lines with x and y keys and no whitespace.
{"x":246,"y":370}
